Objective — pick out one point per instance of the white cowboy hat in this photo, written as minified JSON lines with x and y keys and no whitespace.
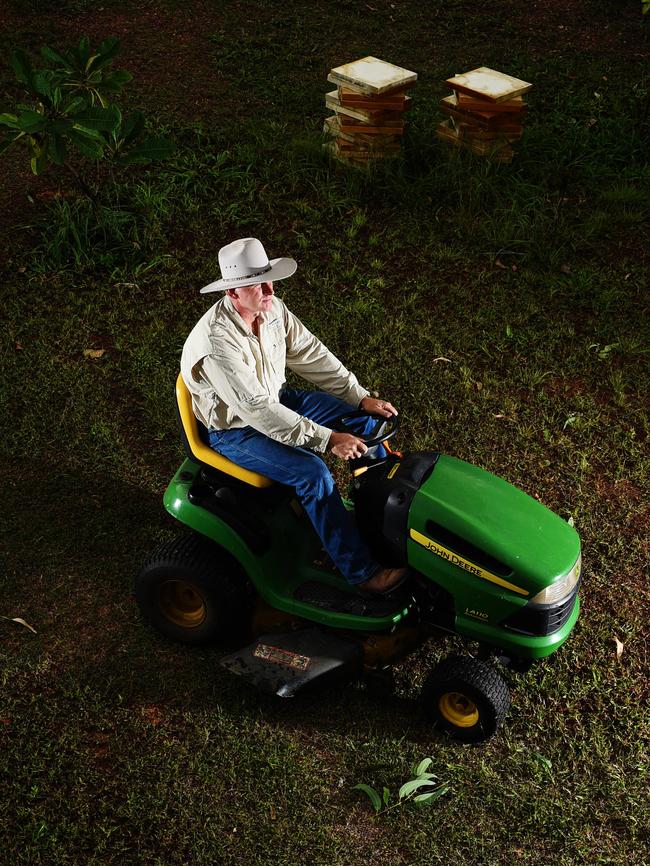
{"x":245,"y":263}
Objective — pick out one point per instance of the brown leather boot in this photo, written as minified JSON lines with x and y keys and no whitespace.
{"x":384,"y":581}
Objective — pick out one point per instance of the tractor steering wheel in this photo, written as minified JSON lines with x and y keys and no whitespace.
{"x":384,"y":429}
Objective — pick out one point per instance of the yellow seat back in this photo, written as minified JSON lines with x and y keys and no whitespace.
{"x":201,"y":452}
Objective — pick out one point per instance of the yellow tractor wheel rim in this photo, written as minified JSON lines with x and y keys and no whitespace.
{"x":182,"y":603}
{"x":458,"y":709}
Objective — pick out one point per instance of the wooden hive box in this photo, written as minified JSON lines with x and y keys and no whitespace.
{"x":369,"y":105}
{"x":499,"y":150}
{"x":332,"y":128}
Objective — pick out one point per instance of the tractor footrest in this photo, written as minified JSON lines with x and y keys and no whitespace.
{"x":330,"y":598}
{"x":283,"y":664}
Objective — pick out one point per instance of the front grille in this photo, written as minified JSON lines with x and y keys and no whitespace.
{"x":541,"y":619}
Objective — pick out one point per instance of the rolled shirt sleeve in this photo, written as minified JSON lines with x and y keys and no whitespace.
{"x":312,"y":360}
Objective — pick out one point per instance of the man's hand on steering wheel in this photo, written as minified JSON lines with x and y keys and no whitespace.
{"x":374,"y":406}
{"x":346,"y":446}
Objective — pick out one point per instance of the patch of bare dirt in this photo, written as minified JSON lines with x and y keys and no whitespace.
{"x":560,"y":26}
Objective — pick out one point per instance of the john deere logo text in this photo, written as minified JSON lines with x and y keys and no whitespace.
{"x":460,"y":562}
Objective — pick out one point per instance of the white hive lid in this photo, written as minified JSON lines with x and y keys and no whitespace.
{"x":371,"y":75}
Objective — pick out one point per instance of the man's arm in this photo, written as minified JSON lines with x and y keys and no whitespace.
{"x":237,"y":385}
{"x":312,"y":360}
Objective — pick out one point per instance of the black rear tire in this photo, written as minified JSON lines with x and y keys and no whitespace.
{"x":466,"y":698}
{"x":193,"y":591}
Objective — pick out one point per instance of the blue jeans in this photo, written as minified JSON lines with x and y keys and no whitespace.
{"x":305,"y":471}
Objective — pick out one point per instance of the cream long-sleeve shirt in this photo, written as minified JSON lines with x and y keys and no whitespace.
{"x":235,"y":378}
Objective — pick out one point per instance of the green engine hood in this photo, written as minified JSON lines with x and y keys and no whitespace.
{"x":470,"y":511}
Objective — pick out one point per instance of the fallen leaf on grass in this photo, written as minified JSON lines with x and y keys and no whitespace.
{"x":440,"y":358}
{"x":93,"y":353}
{"x":566,"y":269}
{"x":20,"y":621}
{"x":619,"y":647}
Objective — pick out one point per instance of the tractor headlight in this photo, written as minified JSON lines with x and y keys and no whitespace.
{"x":558,"y":591}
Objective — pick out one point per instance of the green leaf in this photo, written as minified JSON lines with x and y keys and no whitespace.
{"x":77,"y":103}
{"x":89,"y":133}
{"x":408,"y":787}
{"x":429,"y":798}
{"x":105,"y":53}
{"x":9,"y":120}
{"x":423,"y":766}
{"x":42,"y":86}
{"x":115,"y":81}
{"x":89,"y":63}
{"x":386,"y":796}
{"x":54,"y":57}
{"x":21,"y":66}
{"x":58,"y":150}
{"x":83,"y":52}
{"x":133,"y":126}
{"x":545,"y":761}
{"x":152,"y":148}
{"x":372,"y":794}
{"x":39,"y":156}
{"x":87,"y":146}
{"x":101,"y":119}
{"x":31,"y":121}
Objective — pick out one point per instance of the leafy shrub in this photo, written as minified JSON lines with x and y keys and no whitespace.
{"x":69,"y":107}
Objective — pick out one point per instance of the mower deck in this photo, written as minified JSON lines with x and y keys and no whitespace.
{"x":283,"y":664}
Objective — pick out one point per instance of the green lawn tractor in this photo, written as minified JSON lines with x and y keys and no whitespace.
{"x":486,"y":562}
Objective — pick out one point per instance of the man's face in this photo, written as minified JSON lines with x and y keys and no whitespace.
{"x":255,"y":299}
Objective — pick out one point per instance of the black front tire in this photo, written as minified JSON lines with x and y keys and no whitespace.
{"x":466,"y":698}
{"x":193,"y":591}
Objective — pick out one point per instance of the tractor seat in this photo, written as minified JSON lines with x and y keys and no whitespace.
{"x":197,"y":449}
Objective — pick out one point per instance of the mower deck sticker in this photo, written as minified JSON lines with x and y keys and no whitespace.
{"x":279,"y":656}
{"x":465,"y":564}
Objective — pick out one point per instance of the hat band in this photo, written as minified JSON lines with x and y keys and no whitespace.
{"x":248,"y":276}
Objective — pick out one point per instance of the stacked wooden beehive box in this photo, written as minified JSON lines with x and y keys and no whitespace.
{"x":485,"y":111}
{"x":369,"y":105}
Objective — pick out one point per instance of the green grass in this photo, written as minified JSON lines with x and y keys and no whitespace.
{"x":530,"y":280}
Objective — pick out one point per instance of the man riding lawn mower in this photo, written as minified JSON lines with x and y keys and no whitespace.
{"x":427,"y":545}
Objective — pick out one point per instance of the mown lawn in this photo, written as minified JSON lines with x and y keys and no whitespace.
{"x":529,"y":280}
